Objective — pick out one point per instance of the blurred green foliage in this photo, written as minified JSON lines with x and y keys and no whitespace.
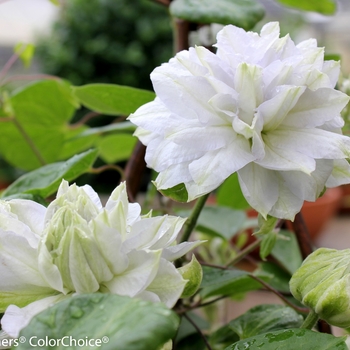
{"x":110,"y":41}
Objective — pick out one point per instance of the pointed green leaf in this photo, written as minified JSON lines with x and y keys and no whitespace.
{"x":112,"y":99}
{"x":265,"y":318}
{"x":25,"y":52}
{"x":267,"y":244}
{"x":291,"y":339}
{"x":326,"y":7}
{"x":242,"y":13}
{"x":177,"y":193}
{"x":46,"y":180}
{"x":116,"y":322}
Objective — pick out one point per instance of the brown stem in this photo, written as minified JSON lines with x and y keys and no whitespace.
{"x":85,"y":119}
{"x":198,"y":331}
{"x":243,"y":253}
{"x":8,"y":65}
{"x":6,"y":119}
{"x":182,"y":30}
{"x":281,"y":296}
{"x":108,"y":167}
{"x":134,"y":170}
{"x":30,"y":77}
{"x":302,"y":235}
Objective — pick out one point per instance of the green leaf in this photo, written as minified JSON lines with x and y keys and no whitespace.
{"x":242,"y":13}
{"x":287,"y":252}
{"x":55,"y":2}
{"x":119,"y":322}
{"x":46,"y":180}
{"x":267,"y":244}
{"x":291,"y":339}
{"x":27,"y":196}
{"x":116,"y":148}
{"x":280,"y":279}
{"x":326,"y":7}
{"x":36,"y":130}
{"x":193,"y":273}
{"x":25,"y":52}
{"x":123,"y":127}
{"x":177,"y":193}
{"x":265,"y":318}
{"x":230,"y":194}
{"x":76,"y":143}
{"x":227,"y":282}
{"x":112,"y":99}
{"x":221,"y":221}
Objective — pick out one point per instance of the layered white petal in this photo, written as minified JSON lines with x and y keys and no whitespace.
{"x":21,"y":280}
{"x":16,"y":318}
{"x":142,"y":269}
{"x":168,"y":284}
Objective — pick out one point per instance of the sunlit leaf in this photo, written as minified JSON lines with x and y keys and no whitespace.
{"x":112,"y":99}
{"x":46,"y":180}
{"x":34,"y":134}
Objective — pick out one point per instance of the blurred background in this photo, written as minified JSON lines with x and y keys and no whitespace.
{"x":72,"y":39}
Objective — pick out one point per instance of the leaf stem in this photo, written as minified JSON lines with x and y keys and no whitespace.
{"x":242,"y":254}
{"x":30,"y":77}
{"x":282,"y":297}
{"x":198,"y":331}
{"x":8,"y":65}
{"x":30,"y":142}
{"x":192,"y":219}
{"x":310,"y":320}
{"x":108,"y":167}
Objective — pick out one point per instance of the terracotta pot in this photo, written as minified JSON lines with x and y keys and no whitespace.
{"x":317,"y":214}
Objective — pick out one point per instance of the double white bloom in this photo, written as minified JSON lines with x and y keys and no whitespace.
{"x":261,"y":106}
{"x":77,"y":246}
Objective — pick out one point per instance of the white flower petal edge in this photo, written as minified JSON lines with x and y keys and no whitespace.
{"x":78,"y":246}
{"x":261,"y":106}
{"x":16,"y":318}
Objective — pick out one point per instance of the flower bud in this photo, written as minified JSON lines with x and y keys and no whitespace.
{"x":323,"y":284}
{"x":75,"y":252}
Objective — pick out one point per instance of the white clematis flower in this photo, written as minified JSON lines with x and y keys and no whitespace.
{"x":262,"y":106}
{"x":77,"y":246}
